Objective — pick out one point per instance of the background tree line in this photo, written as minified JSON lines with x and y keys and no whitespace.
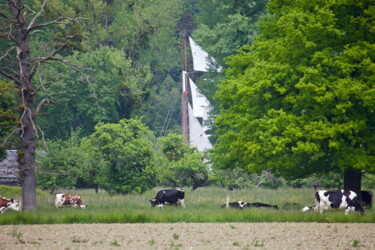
{"x":295,"y":99}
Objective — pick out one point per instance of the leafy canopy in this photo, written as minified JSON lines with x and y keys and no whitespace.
{"x":301,"y":99}
{"x":122,"y":155}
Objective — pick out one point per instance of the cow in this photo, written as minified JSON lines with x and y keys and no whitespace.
{"x":367,"y":197}
{"x":259,"y":205}
{"x":6,"y":204}
{"x":169,"y":196}
{"x":242,"y":205}
{"x":68,"y":199}
{"x":237,"y":204}
{"x":336,"y":199}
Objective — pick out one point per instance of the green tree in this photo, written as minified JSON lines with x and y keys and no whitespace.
{"x":224,"y":26}
{"x":301,"y":99}
{"x":184,"y":167}
{"x":18,"y":25}
{"x":8,"y":117}
{"x":106,"y":88}
{"x":122,"y":156}
{"x":62,"y":164}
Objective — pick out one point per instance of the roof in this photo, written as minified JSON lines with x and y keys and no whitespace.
{"x":9,"y":166}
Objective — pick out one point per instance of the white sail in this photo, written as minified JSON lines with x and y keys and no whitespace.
{"x":183,"y":80}
{"x":197,"y":136}
{"x":199,"y":100}
{"x":201,"y":59}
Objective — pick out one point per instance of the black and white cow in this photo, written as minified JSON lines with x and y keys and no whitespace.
{"x":237,"y":204}
{"x":336,"y":199}
{"x":242,"y":204}
{"x":367,"y":197}
{"x":259,"y":205}
{"x":169,"y":196}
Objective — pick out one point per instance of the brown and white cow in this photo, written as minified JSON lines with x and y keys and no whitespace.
{"x":68,"y":200}
{"x":6,"y":204}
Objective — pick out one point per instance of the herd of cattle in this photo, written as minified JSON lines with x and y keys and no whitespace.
{"x":324,"y":200}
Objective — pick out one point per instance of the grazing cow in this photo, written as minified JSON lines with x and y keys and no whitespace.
{"x":169,"y":196}
{"x":367,"y":198}
{"x":242,"y":205}
{"x":336,"y":199}
{"x":6,"y":204}
{"x":68,"y":199}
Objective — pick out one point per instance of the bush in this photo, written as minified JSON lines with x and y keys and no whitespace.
{"x":183,"y":165}
{"x":122,"y":156}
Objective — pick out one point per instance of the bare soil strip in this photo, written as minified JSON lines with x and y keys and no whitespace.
{"x":190,"y":236}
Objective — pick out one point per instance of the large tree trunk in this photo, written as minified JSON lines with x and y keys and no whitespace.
{"x":26,"y":154}
{"x":352,"y":180}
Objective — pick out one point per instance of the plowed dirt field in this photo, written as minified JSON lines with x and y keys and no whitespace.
{"x":190,"y":236}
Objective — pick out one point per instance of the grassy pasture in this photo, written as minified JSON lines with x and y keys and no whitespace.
{"x":202,"y":205}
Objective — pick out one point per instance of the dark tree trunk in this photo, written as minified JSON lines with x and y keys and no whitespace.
{"x":26,"y":154}
{"x":352,"y":180}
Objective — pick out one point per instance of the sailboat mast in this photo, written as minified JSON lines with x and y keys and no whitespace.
{"x":184,"y":96}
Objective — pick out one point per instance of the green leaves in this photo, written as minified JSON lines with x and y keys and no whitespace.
{"x":298,"y":100}
{"x":122,"y":155}
{"x":184,"y":166}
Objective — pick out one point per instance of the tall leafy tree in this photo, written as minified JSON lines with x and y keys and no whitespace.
{"x":19,"y":23}
{"x":224,"y":26}
{"x":301,"y":99}
{"x":62,"y":164}
{"x":184,"y":165}
{"x":122,"y":156}
{"x":105,"y":89}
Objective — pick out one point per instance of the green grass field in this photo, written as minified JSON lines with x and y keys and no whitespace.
{"x":202,"y":205}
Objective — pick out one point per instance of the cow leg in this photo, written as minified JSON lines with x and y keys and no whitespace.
{"x":182,"y":203}
{"x":321,"y":209}
{"x":347,"y":210}
{"x":160,"y":205}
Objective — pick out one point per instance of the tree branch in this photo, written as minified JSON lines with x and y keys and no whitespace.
{"x":9,"y":76}
{"x":7,"y":52}
{"x":15,"y":129}
{"x":40,"y":105}
{"x":37,"y":15}
{"x":58,"y":20}
{"x":41,"y":87}
{"x":3,"y":15}
{"x":41,"y":60}
{"x":8,"y":34}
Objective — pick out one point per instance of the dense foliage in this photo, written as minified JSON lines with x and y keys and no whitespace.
{"x":184,"y":166}
{"x":301,"y":99}
{"x":297,"y":99}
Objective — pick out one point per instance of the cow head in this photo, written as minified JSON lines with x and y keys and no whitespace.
{"x":153,"y":202}
{"x":13,"y":205}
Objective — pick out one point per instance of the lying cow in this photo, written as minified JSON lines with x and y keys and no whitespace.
{"x":242,"y":204}
{"x":237,"y":204}
{"x":336,"y":199}
{"x":6,"y":204}
{"x":68,"y":200}
{"x":258,"y":205}
{"x":169,"y":196}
